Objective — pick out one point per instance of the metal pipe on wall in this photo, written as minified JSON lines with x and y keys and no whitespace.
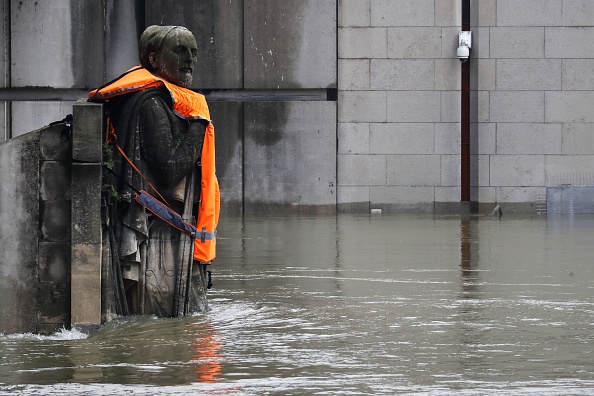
{"x":465,"y":115}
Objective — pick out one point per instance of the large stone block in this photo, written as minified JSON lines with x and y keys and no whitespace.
{"x":19,"y":233}
{"x":483,"y":12}
{"x":56,"y":143}
{"x":284,"y":142}
{"x":354,"y":74}
{"x":54,"y":261}
{"x":354,"y":13}
{"x":447,"y":13}
{"x":408,"y":138}
{"x":449,"y":42}
{"x":402,"y":198}
{"x":4,"y":129}
{"x":87,"y":134}
{"x":517,"y":106}
{"x":54,"y":180}
{"x":578,"y":13}
{"x":518,"y":42}
{"x":217,"y":26}
{"x":529,"y":74}
{"x":481,"y":43}
{"x":450,"y":175}
{"x":569,"y":42}
{"x":228,"y":121}
{"x":483,"y":74}
{"x":483,"y":194}
{"x":563,"y":167}
{"x":402,"y":74}
{"x":65,"y":35}
{"x":4,"y":56}
{"x":569,"y":106}
{"x":480,"y":172}
{"x":450,"y":106}
{"x":528,"y":195}
{"x":413,"y":106}
{"x":353,"y":138}
{"x":447,"y":194}
{"x":86,"y":203}
{"x":362,"y":106}
{"x":86,"y":284}
{"x":362,"y":170}
{"x":447,"y":75}
{"x":366,"y":43}
{"x":54,"y":304}
{"x":577,"y":138}
{"x":524,"y":139}
{"x":414,"y":42}
{"x":413,"y":170}
{"x":285,"y":38}
{"x":529,"y":13}
{"x":353,"y":195}
{"x":577,"y":74}
{"x":55,"y":220}
{"x":447,"y":138}
{"x":517,"y":170}
{"x":480,"y":103}
{"x":485,"y":138}
{"x":403,"y":13}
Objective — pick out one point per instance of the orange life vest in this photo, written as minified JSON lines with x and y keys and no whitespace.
{"x":188,"y":105}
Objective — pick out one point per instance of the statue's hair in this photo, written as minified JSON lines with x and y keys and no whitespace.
{"x":151,"y":40}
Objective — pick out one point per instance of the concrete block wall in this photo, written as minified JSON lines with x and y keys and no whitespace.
{"x":35,"y":232}
{"x":398,"y":104}
{"x":538,"y":107}
{"x":397,"y":115}
{"x":54,"y":258}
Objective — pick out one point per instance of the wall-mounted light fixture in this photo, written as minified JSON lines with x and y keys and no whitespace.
{"x":464,"y":45}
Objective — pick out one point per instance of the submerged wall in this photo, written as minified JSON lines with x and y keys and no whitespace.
{"x":35,"y":232}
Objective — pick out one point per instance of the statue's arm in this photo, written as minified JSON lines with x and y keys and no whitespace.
{"x":170,"y":157}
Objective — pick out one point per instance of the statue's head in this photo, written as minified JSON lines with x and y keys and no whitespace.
{"x":169,"y":52}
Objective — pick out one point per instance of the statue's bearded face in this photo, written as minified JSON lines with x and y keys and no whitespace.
{"x":176,"y":60}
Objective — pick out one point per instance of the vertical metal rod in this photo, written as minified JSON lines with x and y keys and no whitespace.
{"x":465,"y":115}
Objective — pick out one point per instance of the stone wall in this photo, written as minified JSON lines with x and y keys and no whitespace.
{"x":382,"y":75}
{"x":399,"y":100}
{"x":35,"y":232}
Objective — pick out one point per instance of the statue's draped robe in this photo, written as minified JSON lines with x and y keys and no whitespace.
{"x":166,"y":150}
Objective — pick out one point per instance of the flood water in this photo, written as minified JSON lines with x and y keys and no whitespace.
{"x":349,"y":305}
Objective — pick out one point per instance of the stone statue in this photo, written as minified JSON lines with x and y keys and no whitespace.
{"x":158,"y":135}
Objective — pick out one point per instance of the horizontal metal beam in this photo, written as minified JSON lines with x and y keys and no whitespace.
{"x":222,"y":95}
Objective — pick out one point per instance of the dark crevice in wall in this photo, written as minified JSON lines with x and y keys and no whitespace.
{"x":7,"y":68}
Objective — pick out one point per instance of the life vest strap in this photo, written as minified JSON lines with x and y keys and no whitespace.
{"x":112,"y":138}
{"x":205,"y":235}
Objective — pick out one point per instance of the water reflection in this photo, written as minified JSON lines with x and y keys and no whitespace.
{"x":472,"y":331}
{"x":207,"y":354}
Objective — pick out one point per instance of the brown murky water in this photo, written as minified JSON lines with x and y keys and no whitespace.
{"x":350,"y":304}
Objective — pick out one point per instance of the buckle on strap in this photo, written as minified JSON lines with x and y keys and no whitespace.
{"x":204,"y":235}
